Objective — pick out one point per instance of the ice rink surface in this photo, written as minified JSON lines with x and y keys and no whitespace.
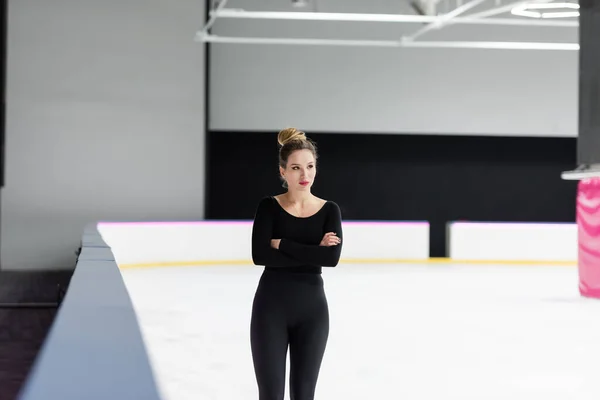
{"x":398,"y":331}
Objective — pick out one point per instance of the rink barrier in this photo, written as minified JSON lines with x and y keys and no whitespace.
{"x":152,"y":244}
{"x":94,"y":349}
{"x":197,"y":243}
{"x":513,"y":242}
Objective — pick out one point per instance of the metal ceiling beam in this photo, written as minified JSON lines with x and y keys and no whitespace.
{"x":354,"y":17}
{"x":444,"y":19}
{"x":434,"y":21}
{"x":392,"y":43}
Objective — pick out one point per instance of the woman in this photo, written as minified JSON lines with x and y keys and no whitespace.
{"x":293,"y":236}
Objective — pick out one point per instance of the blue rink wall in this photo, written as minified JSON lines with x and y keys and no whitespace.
{"x":95,"y":349}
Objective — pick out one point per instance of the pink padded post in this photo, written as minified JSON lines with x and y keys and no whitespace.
{"x":588,"y":226}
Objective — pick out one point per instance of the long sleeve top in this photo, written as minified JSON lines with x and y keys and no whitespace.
{"x":299,"y":249}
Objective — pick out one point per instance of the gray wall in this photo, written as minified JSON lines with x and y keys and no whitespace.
{"x":350,"y":89}
{"x":105,"y":104}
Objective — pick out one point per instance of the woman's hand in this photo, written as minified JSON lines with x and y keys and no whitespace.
{"x":330,"y":239}
{"x":275,"y":243}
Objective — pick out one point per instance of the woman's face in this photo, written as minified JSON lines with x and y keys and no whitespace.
{"x":300,"y":171}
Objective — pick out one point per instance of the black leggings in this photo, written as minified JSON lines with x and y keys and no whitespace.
{"x":288,"y":309}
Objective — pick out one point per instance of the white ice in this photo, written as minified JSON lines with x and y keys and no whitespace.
{"x":427,"y":331}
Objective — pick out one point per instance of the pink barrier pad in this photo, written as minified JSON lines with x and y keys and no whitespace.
{"x":588,"y":227}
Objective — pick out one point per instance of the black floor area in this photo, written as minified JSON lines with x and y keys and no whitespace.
{"x":23,"y":330}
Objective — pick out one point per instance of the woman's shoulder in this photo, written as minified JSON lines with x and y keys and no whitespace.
{"x":267,"y":201}
{"x":333,"y":206}
{"x":329,"y":205}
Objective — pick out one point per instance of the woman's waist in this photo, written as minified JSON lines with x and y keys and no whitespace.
{"x":309,"y":275}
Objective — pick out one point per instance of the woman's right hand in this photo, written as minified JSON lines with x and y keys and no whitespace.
{"x":330,"y":239}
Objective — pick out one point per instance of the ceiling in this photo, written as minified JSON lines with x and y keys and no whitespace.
{"x":394,"y":23}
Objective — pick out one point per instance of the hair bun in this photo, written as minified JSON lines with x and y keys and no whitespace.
{"x":289,"y":134}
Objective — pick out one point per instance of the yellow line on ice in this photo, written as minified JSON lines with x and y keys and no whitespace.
{"x":434,"y":260}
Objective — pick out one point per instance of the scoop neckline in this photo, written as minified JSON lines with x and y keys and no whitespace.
{"x":294,"y":216}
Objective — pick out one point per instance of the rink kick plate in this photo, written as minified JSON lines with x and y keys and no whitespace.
{"x":588,"y":230}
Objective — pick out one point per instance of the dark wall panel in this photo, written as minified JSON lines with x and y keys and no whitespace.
{"x":588,"y":149}
{"x":404,"y":177}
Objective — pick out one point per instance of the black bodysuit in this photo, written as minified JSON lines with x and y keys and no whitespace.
{"x":290,"y":307}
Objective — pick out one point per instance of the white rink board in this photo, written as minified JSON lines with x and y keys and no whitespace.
{"x":513,"y":241}
{"x":206,"y":241}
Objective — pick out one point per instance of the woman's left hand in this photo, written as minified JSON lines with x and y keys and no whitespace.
{"x":275,"y":243}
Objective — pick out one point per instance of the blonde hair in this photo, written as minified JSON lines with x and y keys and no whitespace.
{"x":289,"y":134}
{"x":290,"y":140}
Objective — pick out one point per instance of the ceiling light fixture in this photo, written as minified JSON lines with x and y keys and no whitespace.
{"x":527,"y":10}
